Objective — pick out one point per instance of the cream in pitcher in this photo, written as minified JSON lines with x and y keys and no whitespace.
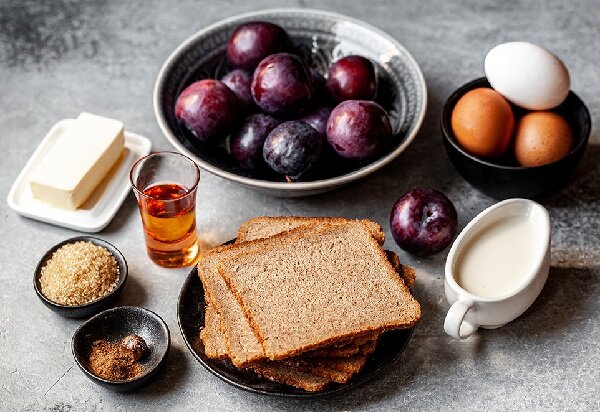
{"x":497,"y":266}
{"x":497,"y":260}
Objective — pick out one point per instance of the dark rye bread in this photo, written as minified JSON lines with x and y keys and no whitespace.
{"x":310,"y":290}
{"x":336,"y":369}
{"x":305,"y":366}
{"x":281,"y":373}
{"x":344,"y":350}
{"x":243,"y":346}
{"x":341,"y":352}
{"x":406,"y":272}
{"x":296,"y":375}
{"x":267,"y":226}
{"x":211,"y":335}
{"x":303,"y":378}
{"x":215,"y":347}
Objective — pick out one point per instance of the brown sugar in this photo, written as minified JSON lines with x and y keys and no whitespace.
{"x":79,"y":273}
{"x":113,"y":362}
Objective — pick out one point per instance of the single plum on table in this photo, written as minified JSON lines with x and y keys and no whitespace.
{"x":352,"y":78}
{"x":251,"y":42}
{"x":282,"y":85}
{"x":423,"y":221}
{"x":358,"y":129}
{"x":292,"y":148}
{"x":208,"y":108}
{"x":246,"y":144}
{"x":239,"y":81}
{"x":318,"y":119}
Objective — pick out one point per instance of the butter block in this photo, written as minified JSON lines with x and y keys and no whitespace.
{"x":78,"y":161}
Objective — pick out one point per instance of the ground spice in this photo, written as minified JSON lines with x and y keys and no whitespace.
{"x":79,"y":273}
{"x":113,"y":362}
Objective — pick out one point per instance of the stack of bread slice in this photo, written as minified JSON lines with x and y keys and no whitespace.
{"x":302,"y":301}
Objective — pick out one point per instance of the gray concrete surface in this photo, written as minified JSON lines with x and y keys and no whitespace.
{"x":60,"y":57}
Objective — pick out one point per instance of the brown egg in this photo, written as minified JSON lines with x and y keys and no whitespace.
{"x":483,"y":122}
{"x":541,"y":138}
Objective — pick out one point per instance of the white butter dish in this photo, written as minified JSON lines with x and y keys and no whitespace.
{"x":96,"y":213}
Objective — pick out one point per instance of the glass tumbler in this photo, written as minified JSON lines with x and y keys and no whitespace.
{"x":165,"y":185}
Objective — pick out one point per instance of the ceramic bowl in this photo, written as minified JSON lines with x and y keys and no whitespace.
{"x":81,"y":311}
{"x":505,"y":179}
{"x":321,"y":38}
{"x":113,"y":325}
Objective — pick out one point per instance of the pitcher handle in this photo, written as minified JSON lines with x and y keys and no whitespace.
{"x":455,"y":324}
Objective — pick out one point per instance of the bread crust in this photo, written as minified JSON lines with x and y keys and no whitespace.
{"x":279,"y":372}
{"x":246,"y":229}
{"x":212,"y":338}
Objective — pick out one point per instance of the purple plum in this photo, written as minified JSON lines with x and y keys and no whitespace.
{"x":292,"y":148}
{"x":352,"y":78}
{"x":246,"y":144}
{"x":208,"y":108}
{"x":251,"y":42}
{"x":358,"y":129}
{"x":423,"y":221}
{"x":318,"y":119}
{"x":282,"y":85}
{"x":239,"y":82}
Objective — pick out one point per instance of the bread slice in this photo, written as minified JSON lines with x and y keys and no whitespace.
{"x":215,"y":347}
{"x":267,"y":226}
{"x":282,"y":373}
{"x":356,"y":345}
{"x":303,"y":378}
{"x":406,"y":272}
{"x":211,"y":335}
{"x":336,"y":369}
{"x":242,"y":344}
{"x":331,"y":351}
{"x":318,"y":287}
{"x":306,"y":366}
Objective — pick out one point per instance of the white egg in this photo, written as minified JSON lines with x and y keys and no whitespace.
{"x":528,"y":75}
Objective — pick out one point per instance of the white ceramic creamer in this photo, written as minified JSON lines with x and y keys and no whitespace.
{"x":497,"y":266}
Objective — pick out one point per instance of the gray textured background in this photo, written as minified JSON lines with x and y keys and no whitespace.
{"x":58,"y":58}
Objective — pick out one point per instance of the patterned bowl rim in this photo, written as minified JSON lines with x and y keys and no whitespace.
{"x":300,"y":186}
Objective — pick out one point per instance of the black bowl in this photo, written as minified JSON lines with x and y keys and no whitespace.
{"x":505,"y":178}
{"x":113,"y":325}
{"x":88,"y":309}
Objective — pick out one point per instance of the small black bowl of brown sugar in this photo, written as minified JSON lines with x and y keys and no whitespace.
{"x":122,"y":348}
{"x":80,"y":276}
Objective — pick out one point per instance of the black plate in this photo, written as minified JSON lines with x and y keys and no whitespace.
{"x":82,"y":311}
{"x":113,"y":325}
{"x":190,"y":315}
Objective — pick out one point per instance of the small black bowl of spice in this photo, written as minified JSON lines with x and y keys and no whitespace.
{"x":121,"y":348}
{"x":80,"y":276}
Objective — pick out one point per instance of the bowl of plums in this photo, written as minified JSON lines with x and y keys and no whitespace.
{"x":290,"y":102}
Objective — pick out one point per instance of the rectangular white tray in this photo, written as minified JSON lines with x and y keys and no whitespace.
{"x":97,"y":212}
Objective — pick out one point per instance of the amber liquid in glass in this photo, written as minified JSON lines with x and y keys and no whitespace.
{"x":169,"y":219}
